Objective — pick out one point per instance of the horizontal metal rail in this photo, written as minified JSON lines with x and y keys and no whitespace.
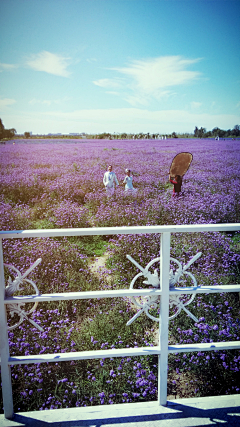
{"x":101,"y":231}
{"x":80,"y":355}
{"x":121,"y":352}
{"x":119,"y":293}
{"x":211,"y":346}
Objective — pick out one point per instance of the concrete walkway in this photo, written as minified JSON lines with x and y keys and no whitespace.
{"x":205,"y":411}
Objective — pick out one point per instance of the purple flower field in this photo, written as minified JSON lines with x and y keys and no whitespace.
{"x":58,"y":184}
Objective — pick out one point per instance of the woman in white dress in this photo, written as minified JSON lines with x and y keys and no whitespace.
{"x":128,"y":182}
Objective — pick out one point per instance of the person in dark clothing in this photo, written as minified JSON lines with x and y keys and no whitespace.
{"x":177,"y":184}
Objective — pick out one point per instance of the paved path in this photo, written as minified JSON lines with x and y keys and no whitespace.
{"x":205,"y":411}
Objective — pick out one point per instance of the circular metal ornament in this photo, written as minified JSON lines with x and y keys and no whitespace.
{"x":14,"y":286}
{"x":152,"y":302}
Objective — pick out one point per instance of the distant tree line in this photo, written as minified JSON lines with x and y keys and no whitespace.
{"x":216,"y":132}
{"x":124,"y":135}
{"x":6,"y":133}
{"x":198,"y":133}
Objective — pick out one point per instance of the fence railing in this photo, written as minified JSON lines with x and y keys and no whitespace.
{"x":164,"y":290}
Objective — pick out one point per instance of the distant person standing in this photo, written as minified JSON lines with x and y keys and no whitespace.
{"x":177,"y":185}
{"x":128,"y":182}
{"x":109,"y":180}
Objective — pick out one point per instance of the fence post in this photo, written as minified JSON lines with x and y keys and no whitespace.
{"x":164,"y":314}
{"x":4,"y":347}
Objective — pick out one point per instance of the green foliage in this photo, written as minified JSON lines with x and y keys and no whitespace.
{"x":42,"y":224}
{"x":6,"y":133}
{"x":217,"y":132}
{"x":90,"y":245}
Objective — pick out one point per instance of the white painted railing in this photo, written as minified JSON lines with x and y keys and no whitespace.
{"x":162,"y":350}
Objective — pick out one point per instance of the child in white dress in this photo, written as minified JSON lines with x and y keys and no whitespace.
{"x":128,"y":182}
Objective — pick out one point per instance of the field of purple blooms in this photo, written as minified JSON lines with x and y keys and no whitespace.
{"x":58,"y":184}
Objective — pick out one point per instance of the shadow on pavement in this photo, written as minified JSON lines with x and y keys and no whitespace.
{"x":183,"y":413}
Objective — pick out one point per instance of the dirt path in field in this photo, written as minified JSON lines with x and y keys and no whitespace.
{"x":98,"y":267}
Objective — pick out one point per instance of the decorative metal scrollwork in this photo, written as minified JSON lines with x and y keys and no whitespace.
{"x":152,"y":302}
{"x":14,"y":286}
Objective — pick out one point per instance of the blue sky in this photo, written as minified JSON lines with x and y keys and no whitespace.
{"x":119,"y":65}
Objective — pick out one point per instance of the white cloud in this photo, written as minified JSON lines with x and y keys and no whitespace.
{"x":139,"y":99}
{"x":195,"y":104}
{"x":153,"y":74}
{"x":50,"y":63}
{"x":112,"y":92}
{"x":7,"y":67}
{"x":48,"y":102}
{"x":91,"y":60}
{"x":136,"y":100}
{"x":152,"y":78}
{"x":5,"y":102}
{"x":108,"y":83}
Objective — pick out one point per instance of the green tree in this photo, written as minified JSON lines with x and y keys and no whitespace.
{"x":6,"y":133}
{"x":123,"y":135}
{"x":1,"y":129}
{"x":9,"y":133}
{"x":215,"y":131}
{"x":201,"y":132}
{"x":236,"y":130}
{"x":196,"y":132}
{"x":104,"y":135}
{"x":208,"y":134}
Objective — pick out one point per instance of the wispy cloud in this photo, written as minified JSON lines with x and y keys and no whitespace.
{"x":49,"y":102}
{"x":136,"y":100}
{"x":7,"y":67}
{"x":91,"y":60}
{"x":195,"y":104}
{"x":112,"y":92}
{"x":5,"y":102}
{"x":152,"y":78}
{"x":140,"y":98}
{"x":49,"y":63}
{"x":109,"y":83}
{"x":153,"y":74}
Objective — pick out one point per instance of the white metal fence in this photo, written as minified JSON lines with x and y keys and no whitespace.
{"x":162,"y":350}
